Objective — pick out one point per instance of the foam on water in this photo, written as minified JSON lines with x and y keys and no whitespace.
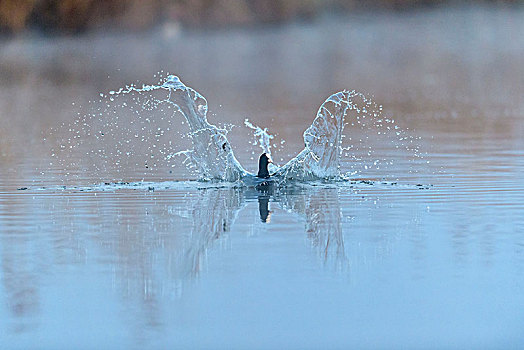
{"x":198,"y":185}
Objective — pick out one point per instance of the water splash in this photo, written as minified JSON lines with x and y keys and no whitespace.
{"x":127,"y":131}
{"x":150,"y":131}
{"x":212,"y":152}
{"x":214,"y":156}
{"x":263,"y":138}
{"x":320,"y":157}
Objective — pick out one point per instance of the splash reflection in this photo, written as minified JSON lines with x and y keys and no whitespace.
{"x":215,"y":211}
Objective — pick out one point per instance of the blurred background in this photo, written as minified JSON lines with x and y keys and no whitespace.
{"x":78,"y":16}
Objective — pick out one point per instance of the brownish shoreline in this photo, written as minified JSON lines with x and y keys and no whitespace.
{"x":78,"y":16}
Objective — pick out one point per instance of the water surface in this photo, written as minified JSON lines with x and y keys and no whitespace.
{"x":182,"y":264}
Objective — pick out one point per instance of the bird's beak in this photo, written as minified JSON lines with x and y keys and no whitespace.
{"x":269,"y":160}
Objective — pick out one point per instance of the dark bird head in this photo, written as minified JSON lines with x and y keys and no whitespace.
{"x":263,"y":162}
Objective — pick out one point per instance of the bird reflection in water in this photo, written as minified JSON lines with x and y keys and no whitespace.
{"x":265,"y":192}
{"x":216,"y":209}
{"x":263,"y":208}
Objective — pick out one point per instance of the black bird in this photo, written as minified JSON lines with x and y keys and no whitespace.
{"x":263,"y":162}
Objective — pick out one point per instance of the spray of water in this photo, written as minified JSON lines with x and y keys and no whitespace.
{"x":212,"y":152}
{"x":263,"y":138}
{"x":320,"y":157}
{"x":149,"y":138}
